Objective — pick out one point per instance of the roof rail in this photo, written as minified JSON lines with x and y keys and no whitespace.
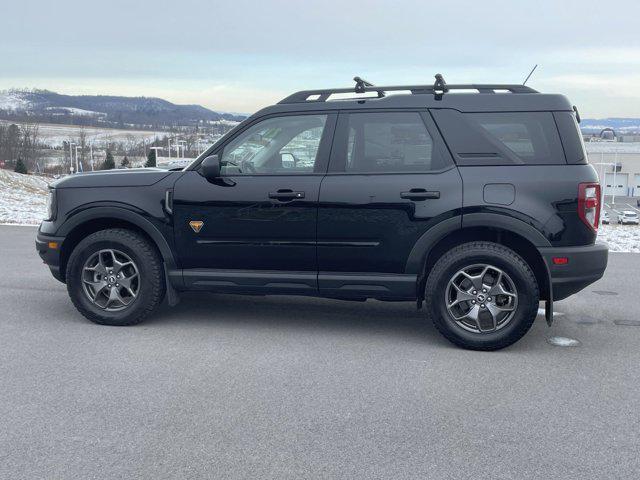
{"x":439,"y":88}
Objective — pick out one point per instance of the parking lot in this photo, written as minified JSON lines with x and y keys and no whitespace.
{"x":613,"y":206}
{"x":284,"y":387}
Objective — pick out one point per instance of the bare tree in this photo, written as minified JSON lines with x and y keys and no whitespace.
{"x":29,"y":148}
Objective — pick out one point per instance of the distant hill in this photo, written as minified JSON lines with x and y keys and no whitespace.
{"x":619,"y":125}
{"x":104,"y":110}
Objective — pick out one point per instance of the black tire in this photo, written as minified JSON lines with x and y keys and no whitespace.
{"x":501,"y":257}
{"x":151,"y":288}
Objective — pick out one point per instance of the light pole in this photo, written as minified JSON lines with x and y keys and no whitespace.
{"x":613,"y":193}
{"x":71,"y":157}
{"x":77,"y":161}
{"x":615,"y":170}
{"x":183,"y":144}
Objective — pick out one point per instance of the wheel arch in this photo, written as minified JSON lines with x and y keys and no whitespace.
{"x":510,"y":232}
{"x":101,"y":218}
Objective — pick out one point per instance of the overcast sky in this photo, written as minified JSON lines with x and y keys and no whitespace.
{"x":241,"y":55}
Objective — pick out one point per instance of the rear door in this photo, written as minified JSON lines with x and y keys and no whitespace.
{"x":261,"y":215}
{"x":390,"y":179}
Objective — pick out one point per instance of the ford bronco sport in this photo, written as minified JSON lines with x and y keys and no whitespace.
{"x":475,"y":201}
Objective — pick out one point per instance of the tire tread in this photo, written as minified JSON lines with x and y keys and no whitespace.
{"x":152,"y":262}
{"x":464,"y":250}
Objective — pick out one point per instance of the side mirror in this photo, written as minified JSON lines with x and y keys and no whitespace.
{"x":210,"y":167}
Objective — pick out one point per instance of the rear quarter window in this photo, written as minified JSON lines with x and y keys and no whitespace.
{"x":571,"y":137}
{"x":501,"y":138}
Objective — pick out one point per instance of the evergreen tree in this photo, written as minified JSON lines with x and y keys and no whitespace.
{"x":125,"y":162}
{"x":109,"y":162}
{"x":151,"y":159}
{"x":20,"y":167}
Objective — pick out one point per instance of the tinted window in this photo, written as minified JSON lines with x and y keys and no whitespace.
{"x":501,"y":138}
{"x":571,"y":137}
{"x":280,"y":145}
{"x":387,"y":142}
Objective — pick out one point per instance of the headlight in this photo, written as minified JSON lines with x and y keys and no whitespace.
{"x":51,"y":204}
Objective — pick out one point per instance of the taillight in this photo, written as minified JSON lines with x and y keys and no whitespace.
{"x":589,"y":204}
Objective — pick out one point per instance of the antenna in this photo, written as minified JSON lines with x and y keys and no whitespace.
{"x":530,"y":73}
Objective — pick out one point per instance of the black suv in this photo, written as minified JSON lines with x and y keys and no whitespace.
{"x":477,"y":204}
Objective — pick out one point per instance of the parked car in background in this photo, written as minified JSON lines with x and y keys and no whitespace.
{"x":604,"y":218}
{"x":628,"y":217}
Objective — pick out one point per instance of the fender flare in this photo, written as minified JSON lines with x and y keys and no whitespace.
{"x":119,"y":213}
{"x":422,"y":247}
{"x":508,"y":223}
{"x":418,"y":255}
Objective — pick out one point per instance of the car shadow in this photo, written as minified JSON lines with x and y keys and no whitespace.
{"x":299,"y":314}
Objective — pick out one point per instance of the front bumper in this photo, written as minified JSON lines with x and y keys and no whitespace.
{"x":584,"y":266}
{"x":49,"y":249}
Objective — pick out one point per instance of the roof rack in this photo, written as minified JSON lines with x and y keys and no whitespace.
{"x":439,"y":88}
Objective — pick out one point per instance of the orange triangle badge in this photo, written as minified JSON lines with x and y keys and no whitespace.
{"x":196,"y":225}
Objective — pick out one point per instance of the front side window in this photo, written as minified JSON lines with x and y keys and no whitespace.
{"x":388,"y":142}
{"x":279,"y":145}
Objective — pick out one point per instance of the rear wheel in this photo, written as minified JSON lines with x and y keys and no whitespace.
{"x":115,"y":277}
{"x":482,"y":296}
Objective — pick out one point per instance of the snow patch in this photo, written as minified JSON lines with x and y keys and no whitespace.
{"x":620,"y":238}
{"x":541,"y":311}
{"x":10,"y":100}
{"x":77,"y":111}
{"x":23,"y":198}
{"x":564,"y":342}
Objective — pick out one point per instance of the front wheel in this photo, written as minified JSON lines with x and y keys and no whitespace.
{"x":115,"y":277}
{"x":482,"y":296}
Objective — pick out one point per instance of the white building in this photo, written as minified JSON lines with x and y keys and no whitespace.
{"x":623,"y":180}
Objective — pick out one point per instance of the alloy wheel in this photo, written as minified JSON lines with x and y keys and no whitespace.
{"x":481,"y":298}
{"x":110,"y":280}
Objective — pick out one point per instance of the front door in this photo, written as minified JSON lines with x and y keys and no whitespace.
{"x":261,"y":215}
{"x":391,"y":178}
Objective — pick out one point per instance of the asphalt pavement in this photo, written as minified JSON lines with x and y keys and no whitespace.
{"x":228,"y":387}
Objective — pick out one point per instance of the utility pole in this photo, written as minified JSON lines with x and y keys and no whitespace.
{"x":91,"y":154}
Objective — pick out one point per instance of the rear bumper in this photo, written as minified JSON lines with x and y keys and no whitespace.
{"x":49,"y":249}
{"x":584,"y":266}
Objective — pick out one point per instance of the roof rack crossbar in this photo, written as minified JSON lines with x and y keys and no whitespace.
{"x":324,"y":94}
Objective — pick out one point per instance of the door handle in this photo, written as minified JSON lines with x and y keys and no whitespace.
{"x":417,"y":194}
{"x":286,"y":195}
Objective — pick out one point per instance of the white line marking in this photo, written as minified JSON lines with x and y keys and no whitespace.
{"x":632,"y":207}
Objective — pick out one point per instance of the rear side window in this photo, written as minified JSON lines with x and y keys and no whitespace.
{"x":571,"y":137}
{"x":385,"y":142}
{"x":505,"y":138}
